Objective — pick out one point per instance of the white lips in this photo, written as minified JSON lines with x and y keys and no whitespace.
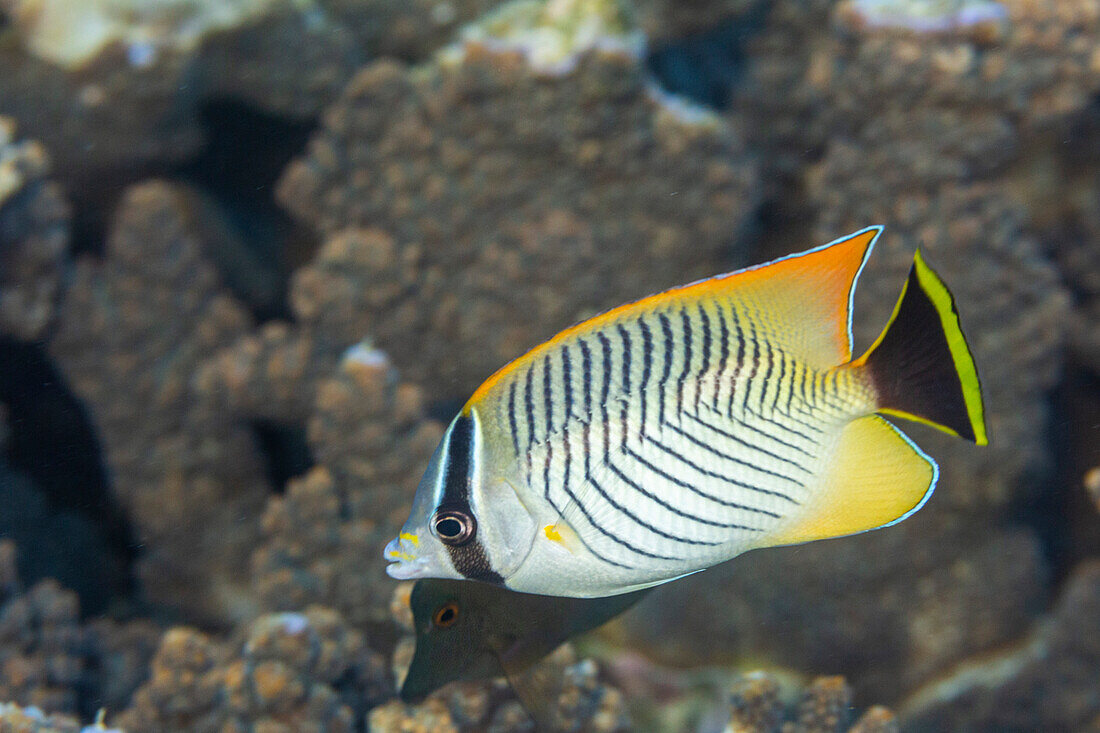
{"x":404,"y":563}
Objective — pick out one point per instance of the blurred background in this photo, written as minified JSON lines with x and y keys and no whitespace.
{"x":255,"y":253}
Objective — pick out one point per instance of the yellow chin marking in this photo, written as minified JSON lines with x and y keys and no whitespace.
{"x":414,"y":539}
{"x":552,"y":534}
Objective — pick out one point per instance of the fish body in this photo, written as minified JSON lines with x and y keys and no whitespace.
{"x":468,"y":631}
{"x":676,"y":432}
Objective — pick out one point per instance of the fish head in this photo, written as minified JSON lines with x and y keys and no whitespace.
{"x":455,"y":637}
{"x":467,"y":519}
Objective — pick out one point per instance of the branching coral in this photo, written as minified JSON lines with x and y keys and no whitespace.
{"x":582,"y":703}
{"x":371,"y":439}
{"x":293,"y":671}
{"x":824,"y":706}
{"x":510,"y":205}
{"x":133,"y":329}
{"x":41,"y":661}
{"x":34,"y":236}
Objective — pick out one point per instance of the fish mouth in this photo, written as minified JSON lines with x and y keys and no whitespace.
{"x":405,"y":564}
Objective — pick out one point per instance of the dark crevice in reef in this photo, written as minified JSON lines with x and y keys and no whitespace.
{"x":705,"y":67}
{"x":1054,"y":507}
{"x":284,"y":450}
{"x":55,"y":501}
{"x":245,"y":153}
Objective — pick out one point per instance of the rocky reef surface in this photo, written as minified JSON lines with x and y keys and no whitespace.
{"x":254,"y":253}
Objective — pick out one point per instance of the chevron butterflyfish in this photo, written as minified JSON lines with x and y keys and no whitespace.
{"x":676,"y":432}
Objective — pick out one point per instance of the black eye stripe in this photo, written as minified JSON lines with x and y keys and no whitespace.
{"x":456,"y":475}
{"x":469,"y":557}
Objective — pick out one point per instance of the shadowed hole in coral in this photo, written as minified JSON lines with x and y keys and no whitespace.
{"x":705,"y":67}
{"x":1059,"y":509}
{"x":285,"y":451}
{"x":55,"y":500}
{"x":246,"y":151}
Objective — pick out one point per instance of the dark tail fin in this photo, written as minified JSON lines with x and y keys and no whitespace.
{"x":921,"y":365}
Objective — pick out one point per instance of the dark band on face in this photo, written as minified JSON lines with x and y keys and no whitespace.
{"x":470,"y":558}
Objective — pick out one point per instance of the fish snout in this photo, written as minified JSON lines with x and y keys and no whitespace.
{"x":404,"y":557}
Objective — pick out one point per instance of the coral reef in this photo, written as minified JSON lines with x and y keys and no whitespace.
{"x":293,"y":671}
{"x":115,"y":87}
{"x":955,"y":87}
{"x":41,"y":641}
{"x":133,"y":329}
{"x":552,"y":36}
{"x":34,"y":236}
{"x":1079,"y":261}
{"x":825,"y":706}
{"x":507,"y":169}
{"x":1045,"y":684}
{"x":15,"y":719}
{"x":51,"y":662}
{"x":370,"y":438}
{"x":504,"y":212}
{"x":935,"y":591}
{"x":583,"y":703}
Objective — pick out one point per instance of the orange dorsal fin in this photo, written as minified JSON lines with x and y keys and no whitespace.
{"x":801,"y":303}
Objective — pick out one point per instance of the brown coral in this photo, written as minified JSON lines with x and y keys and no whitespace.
{"x":583,"y":703}
{"x":300,"y":671}
{"x":324,"y":537}
{"x":34,"y":236}
{"x":14,"y":719}
{"x":119,"y":87}
{"x":133,"y":329}
{"x":824,"y":706}
{"x":1047,"y":683}
{"x":41,"y":661}
{"x":511,"y":204}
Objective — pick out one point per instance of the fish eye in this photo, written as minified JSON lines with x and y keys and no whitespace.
{"x":453,"y":528}
{"x":446,"y":615}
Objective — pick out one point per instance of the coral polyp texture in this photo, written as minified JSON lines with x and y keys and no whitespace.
{"x":116,"y":86}
{"x":1043,"y":684}
{"x":292,"y":671}
{"x":824,"y":706}
{"x":510,"y":204}
{"x":134,"y":327}
{"x":41,"y":643}
{"x":30,"y":719}
{"x":34,"y":236}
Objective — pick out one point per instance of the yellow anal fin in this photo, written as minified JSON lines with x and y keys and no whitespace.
{"x":877,"y":477}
